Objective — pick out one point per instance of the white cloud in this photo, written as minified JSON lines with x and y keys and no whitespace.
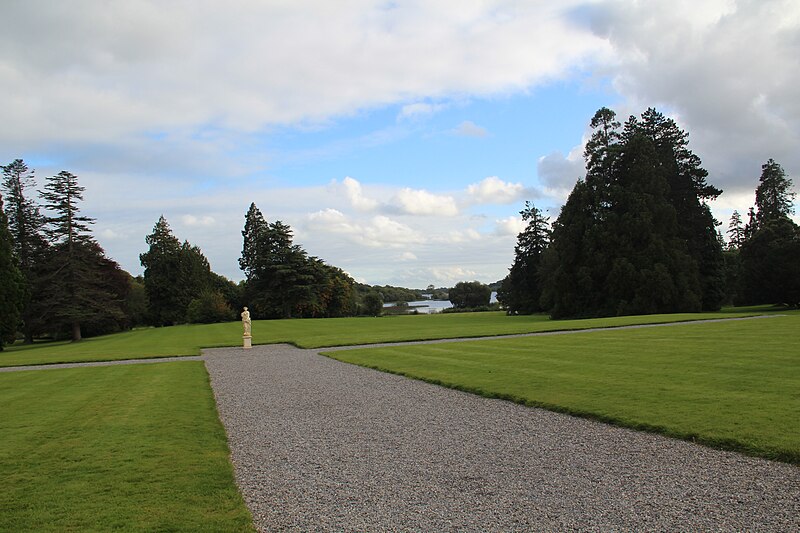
{"x":191,"y":220}
{"x":470,"y":129}
{"x":493,"y":190}
{"x":408,"y":256}
{"x":355,"y":194}
{"x":421,"y":202}
{"x":511,"y":226}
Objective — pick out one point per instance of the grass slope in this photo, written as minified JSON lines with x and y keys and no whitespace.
{"x":312,"y":333}
{"x":131,"y":448}
{"x":733,"y":385}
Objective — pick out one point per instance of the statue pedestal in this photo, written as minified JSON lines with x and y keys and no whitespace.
{"x":248,"y":342}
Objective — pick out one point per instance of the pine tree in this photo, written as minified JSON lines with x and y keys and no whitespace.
{"x":26,"y":225}
{"x":520,"y":291}
{"x":174,"y":275}
{"x":774,"y":195}
{"x":736,"y":231}
{"x":11,"y":284}
{"x":77,"y":288}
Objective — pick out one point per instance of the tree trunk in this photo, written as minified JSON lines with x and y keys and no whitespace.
{"x":76,"y":331}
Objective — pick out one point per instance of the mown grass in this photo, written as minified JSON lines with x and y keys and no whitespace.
{"x":314,"y":333}
{"x":732,"y":385}
{"x":130,"y":448}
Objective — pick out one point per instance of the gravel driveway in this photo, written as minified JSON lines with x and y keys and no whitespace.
{"x":320,"y":445}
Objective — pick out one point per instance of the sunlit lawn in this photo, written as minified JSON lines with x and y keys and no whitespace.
{"x":131,"y":448}
{"x":733,"y":385}
{"x":312,"y":333}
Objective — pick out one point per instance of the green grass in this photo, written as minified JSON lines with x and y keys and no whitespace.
{"x":313,"y":333}
{"x":131,"y":448}
{"x":733,"y":385}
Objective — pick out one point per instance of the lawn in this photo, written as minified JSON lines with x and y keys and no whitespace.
{"x":733,"y":385}
{"x":130,"y":448}
{"x":313,"y":333}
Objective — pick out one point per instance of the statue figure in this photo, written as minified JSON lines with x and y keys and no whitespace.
{"x":246,"y":324}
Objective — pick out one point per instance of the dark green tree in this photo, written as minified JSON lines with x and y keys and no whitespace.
{"x":521,"y":291}
{"x":174,"y":275}
{"x":77,"y":271}
{"x":470,"y":294}
{"x":770,"y":255}
{"x":373,"y":303}
{"x":26,"y":224}
{"x":11,"y":284}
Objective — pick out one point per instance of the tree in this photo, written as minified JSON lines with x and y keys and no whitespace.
{"x":373,"y":303}
{"x":76,"y":268}
{"x":26,"y":225}
{"x":774,"y":195}
{"x":770,"y":254}
{"x":11,"y":284}
{"x":520,"y":291}
{"x":174,"y":275}
{"x":736,"y":231}
{"x":208,"y":308}
{"x":634,"y":236}
{"x":470,"y":294}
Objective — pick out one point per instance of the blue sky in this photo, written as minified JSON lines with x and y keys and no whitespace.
{"x":399,"y":140}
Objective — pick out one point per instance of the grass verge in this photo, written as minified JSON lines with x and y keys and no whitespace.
{"x":131,"y":448}
{"x":315,"y":333}
{"x":731,"y":385}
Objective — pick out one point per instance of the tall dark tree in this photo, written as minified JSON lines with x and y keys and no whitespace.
{"x":174,"y":275}
{"x":520,"y":291}
{"x":770,"y":255}
{"x":77,"y":269}
{"x":11,"y":284}
{"x":774,"y":195}
{"x":26,"y":224}
{"x":635,"y":236}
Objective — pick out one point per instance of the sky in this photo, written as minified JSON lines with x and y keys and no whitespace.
{"x":398,"y":139}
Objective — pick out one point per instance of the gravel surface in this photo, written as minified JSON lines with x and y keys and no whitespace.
{"x":320,"y":445}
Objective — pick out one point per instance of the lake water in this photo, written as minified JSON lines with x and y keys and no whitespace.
{"x":433,"y":306}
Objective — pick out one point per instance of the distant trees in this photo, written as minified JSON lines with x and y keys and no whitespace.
{"x":469,"y":294}
{"x":521,"y":290}
{"x":283,"y":281}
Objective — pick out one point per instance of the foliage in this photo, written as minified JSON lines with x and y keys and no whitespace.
{"x":129,"y":448}
{"x":770,"y":252}
{"x":283,"y":281}
{"x":373,"y":303}
{"x":636,"y":235}
{"x":83,"y":286}
{"x":722,"y":384}
{"x":27,"y":226}
{"x":736,"y":233}
{"x":467,"y":294}
{"x":11,"y":284}
{"x":520,"y":291}
{"x":174,"y":275}
{"x":208,"y":308}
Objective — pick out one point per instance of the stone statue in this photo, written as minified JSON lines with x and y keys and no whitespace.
{"x":246,"y":324}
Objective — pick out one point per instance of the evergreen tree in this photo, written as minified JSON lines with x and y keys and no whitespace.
{"x":774,"y":195}
{"x":520,"y":291}
{"x":26,"y":225}
{"x":76,"y":268}
{"x":174,"y":275}
{"x":11,"y":284}
{"x":770,"y":255}
{"x":736,"y":231}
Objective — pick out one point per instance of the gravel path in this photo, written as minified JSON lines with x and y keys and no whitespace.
{"x":321,"y":445}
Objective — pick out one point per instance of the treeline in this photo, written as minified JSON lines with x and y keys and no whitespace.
{"x":636,"y":235}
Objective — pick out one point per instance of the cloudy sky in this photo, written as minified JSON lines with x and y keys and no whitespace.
{"x":399,"y":139}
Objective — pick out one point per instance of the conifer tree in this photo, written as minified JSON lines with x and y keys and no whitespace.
{"x":11,"y":284}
